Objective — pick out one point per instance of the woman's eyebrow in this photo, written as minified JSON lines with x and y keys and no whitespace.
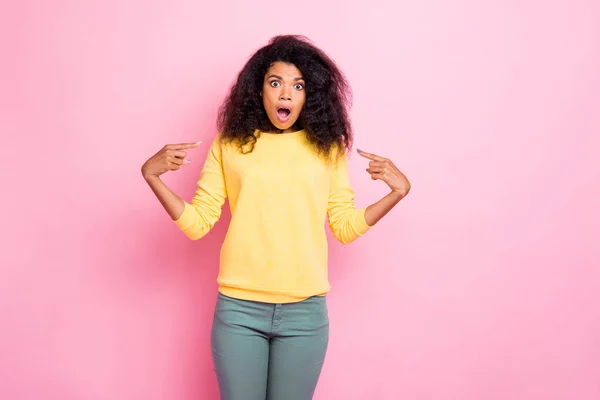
{"x":280,"y":78}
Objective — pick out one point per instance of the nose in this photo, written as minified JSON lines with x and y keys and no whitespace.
{"x":285,"y":93}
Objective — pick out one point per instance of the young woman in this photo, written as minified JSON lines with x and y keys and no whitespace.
{"x":281,"y":160}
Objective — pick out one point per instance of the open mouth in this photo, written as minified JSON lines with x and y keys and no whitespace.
{"x":283,"y":114}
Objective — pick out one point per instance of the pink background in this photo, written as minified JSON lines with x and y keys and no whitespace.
{"x":483,"y":284}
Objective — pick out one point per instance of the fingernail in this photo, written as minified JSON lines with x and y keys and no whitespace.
{"x":199,"y":141}
{"x":359,"y":150}
{"x":188,"y":161}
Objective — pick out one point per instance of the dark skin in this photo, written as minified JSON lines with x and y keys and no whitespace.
{"x":283,"y":87}
{"x":169,"y":158}
{"x":381,"y":168}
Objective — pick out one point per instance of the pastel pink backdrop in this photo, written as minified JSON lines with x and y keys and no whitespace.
{"x":482,"y":284}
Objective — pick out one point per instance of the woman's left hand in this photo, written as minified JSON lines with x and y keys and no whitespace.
{"x":384,"y":169}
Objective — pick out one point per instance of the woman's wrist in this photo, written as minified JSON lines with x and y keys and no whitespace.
{"x":397,"y":195}
{"x":151,"y":178}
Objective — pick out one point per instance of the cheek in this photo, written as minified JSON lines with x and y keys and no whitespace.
{"x":265,"y":101}
{"x":269,"y":98}
{"x":301,"y":102}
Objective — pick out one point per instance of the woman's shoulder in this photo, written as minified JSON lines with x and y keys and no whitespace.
{"x":226,"y":145}
{"x":338,"y":154}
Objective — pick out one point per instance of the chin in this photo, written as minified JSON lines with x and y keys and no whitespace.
{"x":283,"y":126}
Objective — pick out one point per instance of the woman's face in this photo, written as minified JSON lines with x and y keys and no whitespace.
{"x":283,"y":95}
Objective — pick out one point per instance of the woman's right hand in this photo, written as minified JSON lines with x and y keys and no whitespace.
{"x":169,"y":158}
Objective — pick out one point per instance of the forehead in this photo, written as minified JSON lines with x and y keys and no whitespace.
{"x":283,"y":69}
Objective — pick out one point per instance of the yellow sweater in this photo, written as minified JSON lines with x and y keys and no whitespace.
{"x":280,"y":194}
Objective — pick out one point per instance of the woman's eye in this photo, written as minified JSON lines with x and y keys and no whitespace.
{"x":299,"y":86}
{"x":275,"y":83}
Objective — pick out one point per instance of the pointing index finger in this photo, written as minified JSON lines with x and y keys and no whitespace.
{"x":182,"y":146}
{"x":370,"y":156}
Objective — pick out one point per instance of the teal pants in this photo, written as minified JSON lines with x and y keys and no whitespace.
{"x":269,"y":351}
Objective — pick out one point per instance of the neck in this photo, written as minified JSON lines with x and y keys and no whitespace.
{"x":291,"y":129}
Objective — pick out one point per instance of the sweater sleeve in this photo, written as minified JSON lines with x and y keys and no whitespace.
{"x":204,"y":210}
{"x":346,"y":222}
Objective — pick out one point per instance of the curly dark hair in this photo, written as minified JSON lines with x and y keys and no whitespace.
{"x":328,"y":96}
